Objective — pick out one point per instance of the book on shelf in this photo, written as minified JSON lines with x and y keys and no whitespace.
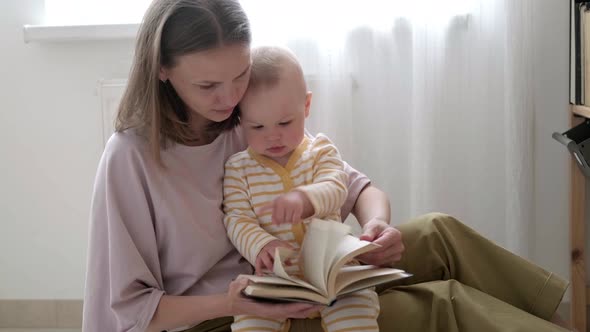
{"x":327,"y":248}
{"x":579,"y":51}
{"x":574,"y":47}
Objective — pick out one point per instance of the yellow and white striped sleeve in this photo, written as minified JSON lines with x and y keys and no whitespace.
{"x":329,"y":190}
{"x":241,"y":224}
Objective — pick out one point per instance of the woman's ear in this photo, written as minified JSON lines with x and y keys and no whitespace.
{"x":163,"y":74}
{"x":307,"y":103}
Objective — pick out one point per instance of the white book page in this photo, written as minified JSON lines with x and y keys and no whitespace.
{"x":370,"y":282}
{"x":284,"y":293}
{"x":319,"y":250}
{"x":281,"y":255}
{"x":348,"y":248}
{"x":352,"y":274}
{"x":272,"y":280}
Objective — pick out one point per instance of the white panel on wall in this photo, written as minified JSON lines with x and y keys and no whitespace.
{"x":109,"y":93}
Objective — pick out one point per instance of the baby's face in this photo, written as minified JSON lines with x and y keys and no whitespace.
{"x":273,"y":119}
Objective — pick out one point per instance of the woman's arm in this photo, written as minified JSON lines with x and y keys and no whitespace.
{"x":372,"y":203}
{"x":176,"y":311}
{"x":373,"y":213}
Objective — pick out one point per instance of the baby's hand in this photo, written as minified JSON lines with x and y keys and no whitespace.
{"x":287,"y":208}
{"x":265,"y":259}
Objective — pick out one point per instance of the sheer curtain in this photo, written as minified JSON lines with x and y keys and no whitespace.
{"x":432,"y":100}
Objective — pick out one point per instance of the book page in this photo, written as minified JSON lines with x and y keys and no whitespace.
{"x":281,"y":255}
{"x":284,"y":293}
{"x":319,"y":251}
{"x":364,"y":276}
{"x":348,"y":248}
{"x":372,"y":281}
{"x":272,"y":280}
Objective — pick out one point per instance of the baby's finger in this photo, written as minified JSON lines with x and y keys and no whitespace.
{"x":268,"y":262}
{"x":258,"y":267}
{"x":278,"y":215}
{"x":289,"y":216}
{"x":264,"y":209}
{"x":297,"y":215}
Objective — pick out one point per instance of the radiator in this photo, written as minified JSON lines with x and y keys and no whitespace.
{"x":109,"y":94}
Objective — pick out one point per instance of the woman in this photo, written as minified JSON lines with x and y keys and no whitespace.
{"x":158,"y":255}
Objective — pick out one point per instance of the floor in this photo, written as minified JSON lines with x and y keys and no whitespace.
{"x":563,"y":311}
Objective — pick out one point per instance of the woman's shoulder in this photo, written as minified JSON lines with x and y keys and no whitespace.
{"x":126,"y":148}
{"x":125,"y":141}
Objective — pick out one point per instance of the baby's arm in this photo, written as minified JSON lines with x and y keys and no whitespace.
{"x":241,"y":224}
{"x":328,"y":191}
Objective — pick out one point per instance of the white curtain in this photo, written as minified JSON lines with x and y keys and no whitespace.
{"x":432,"y":100}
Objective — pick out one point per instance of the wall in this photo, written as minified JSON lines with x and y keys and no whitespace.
{"x":51,"y":127}
{"x":50,"y":123}
{"x":552,"y":160}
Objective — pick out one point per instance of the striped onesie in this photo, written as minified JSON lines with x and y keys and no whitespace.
{"x":252,"y":181}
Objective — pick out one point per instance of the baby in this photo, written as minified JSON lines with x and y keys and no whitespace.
{"x":267,"y":186}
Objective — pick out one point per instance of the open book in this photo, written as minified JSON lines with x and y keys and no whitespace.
{"x":326,"y":248}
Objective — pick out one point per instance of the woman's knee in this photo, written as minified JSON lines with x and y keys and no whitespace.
{"x":436,"y":221}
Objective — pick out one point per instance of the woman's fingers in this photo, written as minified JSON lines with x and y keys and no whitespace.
{"x":236,"y":286}
{"x":390,"y":240}
{"x":305,"y":313}
{"x":292,"y":310}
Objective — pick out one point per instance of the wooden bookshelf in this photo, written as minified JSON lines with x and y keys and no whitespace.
{"x":580,"y":292}
{"x":581,"y":110}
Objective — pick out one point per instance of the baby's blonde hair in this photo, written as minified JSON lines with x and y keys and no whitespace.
{"x":269,"y":64}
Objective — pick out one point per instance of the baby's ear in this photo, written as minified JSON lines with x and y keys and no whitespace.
{"x":307,"y":103}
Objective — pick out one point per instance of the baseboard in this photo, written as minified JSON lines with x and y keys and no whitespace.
{"x":563,"y":310}
{"x":41,"y":313}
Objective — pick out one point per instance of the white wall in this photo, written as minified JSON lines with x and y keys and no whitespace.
{"x":50,"y":125}
{"x":552,"y":160}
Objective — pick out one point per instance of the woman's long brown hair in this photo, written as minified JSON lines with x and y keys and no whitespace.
{"x":171,"y":28}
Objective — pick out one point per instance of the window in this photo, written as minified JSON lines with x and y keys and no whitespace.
{"x":273,"y":21}
{"x":297,"y":12}
{"x":82,"y":12}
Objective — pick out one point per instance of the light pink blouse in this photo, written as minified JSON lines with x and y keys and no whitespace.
{"x":157,"y":231}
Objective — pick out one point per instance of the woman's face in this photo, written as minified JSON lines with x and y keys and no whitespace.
{"x":211,"y":82}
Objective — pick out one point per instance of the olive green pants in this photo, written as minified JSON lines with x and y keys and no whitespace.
{"x":461,"y":282}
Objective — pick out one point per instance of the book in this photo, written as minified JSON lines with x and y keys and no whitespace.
{"x":585,"y":35}
{"x":578,"y":52}
{"x":326,"y":249}
{"x":573,"y":92}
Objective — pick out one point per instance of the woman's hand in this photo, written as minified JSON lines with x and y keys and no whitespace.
{"x":390,"y":239}
{"x":265,"y":258}
{"x":241,"y":305}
